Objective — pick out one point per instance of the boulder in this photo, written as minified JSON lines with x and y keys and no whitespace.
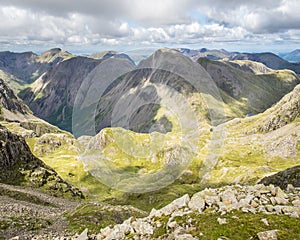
{"x":197,"y":202}
{"x":267,"y":235}
{"x":142,"y":227}
{"x":83,"y":235}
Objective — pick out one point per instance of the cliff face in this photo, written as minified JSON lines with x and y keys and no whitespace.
{"x":20,"y":167}
{"x":13,"y":150}
{"x":9,"y":101}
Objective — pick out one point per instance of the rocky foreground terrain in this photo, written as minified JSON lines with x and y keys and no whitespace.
{"x":230,"y":212}
{"x":179,"y":220}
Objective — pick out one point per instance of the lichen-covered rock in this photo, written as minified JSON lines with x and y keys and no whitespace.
{"x":173,"y":206}
{"x":197,"y":202}
{"x":267,"y":235}
{"x":142,"y":227}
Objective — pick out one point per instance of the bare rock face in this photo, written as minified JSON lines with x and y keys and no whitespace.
{"x":284,"y":178}
{"x":9,"y":101}
{"x":14,"y":111}
{"x":20,"y":167}
{"x":13,"y":150}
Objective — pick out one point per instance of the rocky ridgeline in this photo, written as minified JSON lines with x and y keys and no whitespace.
{"x":248,"y":199}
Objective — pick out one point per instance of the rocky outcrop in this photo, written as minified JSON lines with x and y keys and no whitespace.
{"x":51,"y":142}
{"x":9,"y":101}
{"x":40,"y":128}
{"x":284,"y":178}
{"x":19,"y":167}
{"x":13,"y":150}
{"x":248,"y":199}
{"x":284,"y":112}
{"x":267,"y":235}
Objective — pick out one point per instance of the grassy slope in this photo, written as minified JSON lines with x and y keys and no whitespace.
{"x":239,"y":225}
{"x":243,"y":159}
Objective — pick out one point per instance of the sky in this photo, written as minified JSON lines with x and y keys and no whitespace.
{"x":125,"y":25}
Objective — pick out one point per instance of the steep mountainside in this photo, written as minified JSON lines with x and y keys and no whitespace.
{"x":146,"y":94}
{"x":51,"y":97}
{"x":246,"y":92}
{"x":244,"y":86}
{"x":19,"y":167}
{"x":18,"y":117}
{"x":282,"y":115}
{"x":29,"y":66}
{"x":271,"y":60}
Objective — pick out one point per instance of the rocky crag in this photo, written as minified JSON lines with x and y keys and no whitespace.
{"x":20,"y":167}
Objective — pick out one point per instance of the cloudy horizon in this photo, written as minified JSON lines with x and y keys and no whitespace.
{"x":122,"y":25}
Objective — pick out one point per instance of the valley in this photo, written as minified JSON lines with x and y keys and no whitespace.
{"x":107,"y":148}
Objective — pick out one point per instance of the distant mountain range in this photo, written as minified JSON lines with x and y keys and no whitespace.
{"x":283,"y":61}
{"x":293,"y":56}
{"x":52,"y":95}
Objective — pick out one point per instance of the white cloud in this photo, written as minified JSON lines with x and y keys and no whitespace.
{"x":143,"y":22}
{"x":256,"y":16}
